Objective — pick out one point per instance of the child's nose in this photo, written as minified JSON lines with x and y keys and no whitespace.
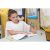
{"x":16,"y":18}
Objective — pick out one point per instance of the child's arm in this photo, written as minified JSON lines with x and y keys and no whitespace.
{"x":12,"y":32}
{"x":16,"y":32}
{"x":21,"y":32}
{"x":32,"y":29}
{"x":29,"y":28}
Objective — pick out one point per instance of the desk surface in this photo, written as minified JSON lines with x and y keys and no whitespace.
{"x":34,"y":38}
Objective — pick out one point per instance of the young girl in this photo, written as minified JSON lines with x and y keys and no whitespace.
{"x":15,"y":26}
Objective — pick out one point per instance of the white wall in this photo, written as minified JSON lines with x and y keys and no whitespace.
{"x":45,"y":17}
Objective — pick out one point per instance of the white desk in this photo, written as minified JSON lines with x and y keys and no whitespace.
{"x":32,"y":39}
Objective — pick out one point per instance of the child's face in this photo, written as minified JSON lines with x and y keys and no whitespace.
{"x":14,"y":18}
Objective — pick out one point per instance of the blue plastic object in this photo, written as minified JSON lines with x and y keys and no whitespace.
{"x":32,"y":17}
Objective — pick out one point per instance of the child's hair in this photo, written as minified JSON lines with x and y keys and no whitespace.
{"x":11,"y":11}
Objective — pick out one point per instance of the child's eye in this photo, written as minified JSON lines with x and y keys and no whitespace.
{"x":13,"y":17}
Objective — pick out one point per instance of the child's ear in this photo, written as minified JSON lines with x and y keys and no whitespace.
{"x":9,"y":18}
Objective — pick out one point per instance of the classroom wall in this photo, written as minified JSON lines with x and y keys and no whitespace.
{"x":45,"y":17}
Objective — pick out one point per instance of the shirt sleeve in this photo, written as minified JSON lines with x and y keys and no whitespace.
{"x":8,"y":26}
{"x":26,"y":27}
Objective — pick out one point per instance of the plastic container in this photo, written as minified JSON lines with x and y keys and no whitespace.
{"x":33,"y":17}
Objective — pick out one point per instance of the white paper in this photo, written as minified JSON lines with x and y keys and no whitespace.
{"x":18,"y":36}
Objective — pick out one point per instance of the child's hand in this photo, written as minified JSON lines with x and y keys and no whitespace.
{"x":32,"y":29}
